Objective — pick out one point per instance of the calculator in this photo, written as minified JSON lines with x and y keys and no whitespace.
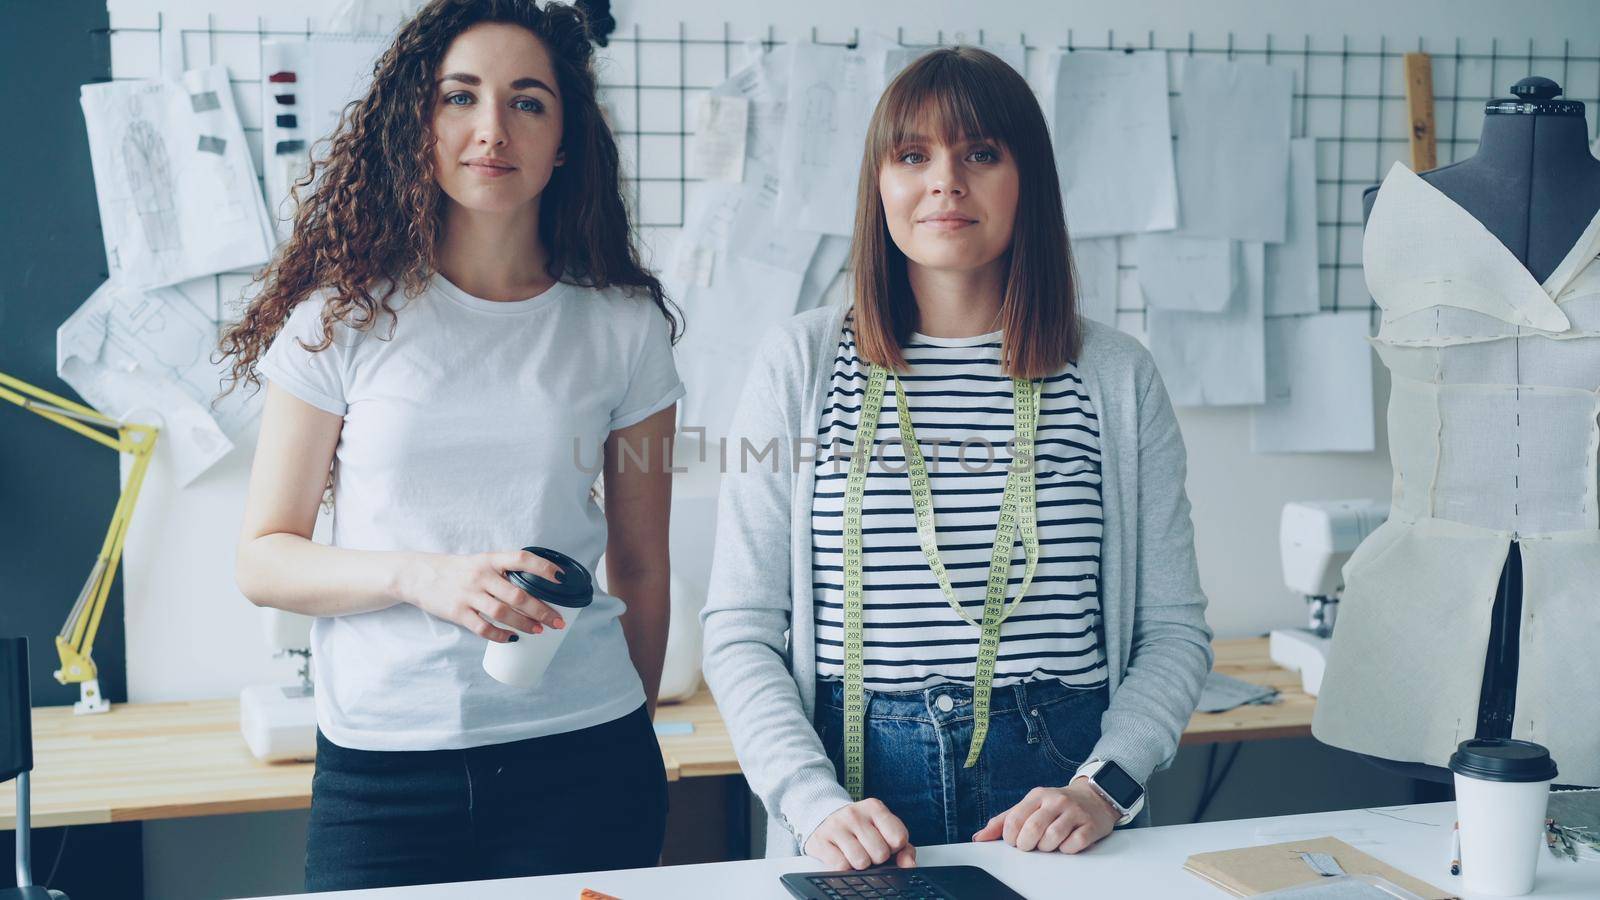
{"x":927,"y":883}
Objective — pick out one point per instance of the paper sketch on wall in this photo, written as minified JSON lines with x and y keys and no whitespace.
{"x":173,"y":179}
{"x":1216,"y":358}
{"x":146,"y":356}
{"x":369,"y":17}
{"x":1293,"y":276}
{"x":1319,"y":386}
{"x":1232,"y":121}
{"x":717,"y":151}
{"x":738,"y":266}
{"x":763,"y":83}
{"x":746,"y":223}
{"x":1185,"y":273}
{"x":731,"y":309}
{"x":831,"y":95}
{"x":1094,"y":262}
{"x":753,"y":234}
{"x":818,"y":124}
{"x":1113,"y":143}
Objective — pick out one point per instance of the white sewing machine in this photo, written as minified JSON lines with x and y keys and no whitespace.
{"x":1315,"y":539}
{"x":279,"y":721}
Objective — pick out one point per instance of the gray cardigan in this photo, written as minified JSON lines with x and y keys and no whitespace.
{"x":760,"y":636}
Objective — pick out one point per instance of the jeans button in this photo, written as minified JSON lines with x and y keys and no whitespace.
{"x":944,"y":703}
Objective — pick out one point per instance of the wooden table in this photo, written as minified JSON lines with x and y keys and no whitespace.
{"x":1247,"y":659}
{"x":174,"y":760}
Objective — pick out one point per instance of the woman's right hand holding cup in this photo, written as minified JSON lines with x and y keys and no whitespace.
{"x":860,"y":836}
{"x":471,"y":589}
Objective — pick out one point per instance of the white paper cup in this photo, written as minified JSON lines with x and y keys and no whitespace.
{"x":1502,"y":791}
{"x":522,"y":663}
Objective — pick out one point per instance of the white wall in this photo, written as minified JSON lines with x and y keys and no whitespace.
{"x":190,"y":634}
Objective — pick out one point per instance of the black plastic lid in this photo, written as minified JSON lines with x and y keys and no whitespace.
{"x":575,"y":590}
{"x":1494,"y":759}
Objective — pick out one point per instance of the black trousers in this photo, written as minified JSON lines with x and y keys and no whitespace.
{"x":576,"y":802}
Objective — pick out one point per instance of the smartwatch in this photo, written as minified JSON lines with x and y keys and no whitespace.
{"x":1119,"y":789}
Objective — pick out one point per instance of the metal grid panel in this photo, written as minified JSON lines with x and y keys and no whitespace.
{"x":1349,"y":96}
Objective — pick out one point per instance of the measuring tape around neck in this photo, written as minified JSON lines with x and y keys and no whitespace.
{"x":1016,"y":512}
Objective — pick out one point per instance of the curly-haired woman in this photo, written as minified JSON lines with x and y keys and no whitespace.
{"x":459,"y":322}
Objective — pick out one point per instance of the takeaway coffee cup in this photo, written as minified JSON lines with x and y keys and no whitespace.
{"x":522,"y":663}
{"x":1502,"y":789}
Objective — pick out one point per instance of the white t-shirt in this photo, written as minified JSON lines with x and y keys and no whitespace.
{"x":475,"y":426}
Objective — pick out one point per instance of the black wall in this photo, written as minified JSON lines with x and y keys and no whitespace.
{"x":57,"y":489}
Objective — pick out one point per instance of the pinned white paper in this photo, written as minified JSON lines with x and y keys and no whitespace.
{"x":173,"y":178}
{"x":1293,"y":283}
{"x":763,"y":84}
{"x":1096,"y":262}
{"x":1319,"y":386}
{"x":1185,"y":273}
{"x":1215,"y":359}
{"x":1113,"y":143}
{"x":1233,"y":127}
{"x":727,"y":316}
{"x":717,"y":150}
{"x":756,"y":235}
{"x":826,"y":271}
{"x":704,"y":235}
{"x":146,"y":356}
{"x":831,"y":94}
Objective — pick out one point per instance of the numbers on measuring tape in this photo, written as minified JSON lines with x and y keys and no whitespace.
{"x":1017,"y":513}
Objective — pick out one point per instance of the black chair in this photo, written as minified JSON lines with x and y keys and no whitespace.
{"x":16,"y":758}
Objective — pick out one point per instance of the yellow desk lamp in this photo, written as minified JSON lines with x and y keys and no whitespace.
{"x":75,"y":643}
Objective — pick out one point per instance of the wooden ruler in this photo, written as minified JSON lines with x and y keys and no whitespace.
{"x":1419,"y":100}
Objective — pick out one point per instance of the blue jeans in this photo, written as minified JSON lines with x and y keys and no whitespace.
{"x":916,"y":748}
{"x":584,"y":800}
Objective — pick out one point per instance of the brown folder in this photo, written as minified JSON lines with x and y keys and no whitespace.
{"x":1256,"y":870}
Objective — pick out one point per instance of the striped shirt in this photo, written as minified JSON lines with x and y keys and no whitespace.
{"x":961,"y":407}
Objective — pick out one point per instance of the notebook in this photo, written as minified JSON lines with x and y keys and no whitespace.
{"x":1255,"y":870}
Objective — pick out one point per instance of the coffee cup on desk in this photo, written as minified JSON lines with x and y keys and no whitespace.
{"x":522,"y":663}
{"x":1502,"y":790}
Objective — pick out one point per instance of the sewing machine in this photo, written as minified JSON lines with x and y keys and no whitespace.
{"x":1315,"y":539}
{"x":279,"y":721}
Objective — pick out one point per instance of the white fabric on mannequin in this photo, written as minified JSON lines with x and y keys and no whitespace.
{"x":1493,"y":435}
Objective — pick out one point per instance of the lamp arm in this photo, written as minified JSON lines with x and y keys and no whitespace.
{"x":75,"y":641}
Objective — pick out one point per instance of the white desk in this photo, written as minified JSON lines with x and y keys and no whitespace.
{"x":1129,"y":864}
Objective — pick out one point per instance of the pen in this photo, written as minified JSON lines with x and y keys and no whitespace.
{"x":1455,"y":849}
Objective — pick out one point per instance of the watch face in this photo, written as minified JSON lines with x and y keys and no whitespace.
{"x":1119,"y":785}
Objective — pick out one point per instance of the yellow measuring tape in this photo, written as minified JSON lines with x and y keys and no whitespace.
{"x":1016,"y":511}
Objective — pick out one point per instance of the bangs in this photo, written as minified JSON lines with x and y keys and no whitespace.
{"x":943,"y":97}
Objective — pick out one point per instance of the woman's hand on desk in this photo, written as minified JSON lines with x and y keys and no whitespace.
{"x":1068,"y":819}
{"x":470,"y":590}
{"x":860,"y":836}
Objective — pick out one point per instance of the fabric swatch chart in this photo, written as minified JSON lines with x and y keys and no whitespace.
{"x":1212,"y":183}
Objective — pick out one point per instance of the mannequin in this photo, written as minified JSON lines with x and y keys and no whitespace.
{"x":1535,"y":186}
{"x":1533,"y":182}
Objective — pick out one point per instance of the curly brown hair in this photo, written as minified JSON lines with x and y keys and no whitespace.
{"x":371,"y":221}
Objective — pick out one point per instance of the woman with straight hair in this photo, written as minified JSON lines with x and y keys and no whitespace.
{"x":457,"y":330}
{"x":991,"y":624}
